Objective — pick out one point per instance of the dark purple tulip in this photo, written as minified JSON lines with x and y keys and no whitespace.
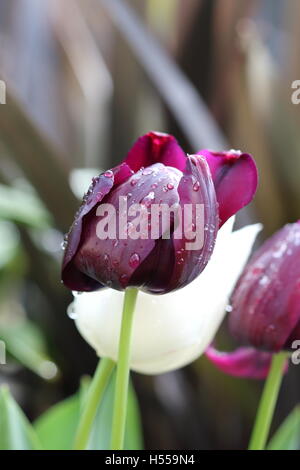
{"x":265,"y":306}
{"x":266,"y":301}
{"x":155,"y":171}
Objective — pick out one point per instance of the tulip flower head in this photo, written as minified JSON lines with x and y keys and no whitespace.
{"x":265,"y":305}
{"x":157,"y":255}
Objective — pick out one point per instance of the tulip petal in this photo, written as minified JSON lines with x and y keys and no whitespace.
{"x":266,"y":301}
{"x":72,"y":277}
{"x":196,"y":188}
{"x":243,"y":362}
{"x":156,"y":147}
{"x":235,"y":178}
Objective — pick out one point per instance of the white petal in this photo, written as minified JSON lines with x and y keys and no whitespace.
{"x":170,"y":330}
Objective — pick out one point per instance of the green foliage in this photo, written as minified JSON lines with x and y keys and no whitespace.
{"x":26,"y":343}
{"x":23,"y":207}
{"x":56,"y":428}
{"x":16,"y":433}
{"x":101,"y":434}
{"x":287,"y":436}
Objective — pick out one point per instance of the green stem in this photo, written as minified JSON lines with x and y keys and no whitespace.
{"x":122,"y":379}
{"x":94,"y":397}
{"x":267,"y":404}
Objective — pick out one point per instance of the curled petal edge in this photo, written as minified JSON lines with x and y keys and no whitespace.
{"x":244,"y":362}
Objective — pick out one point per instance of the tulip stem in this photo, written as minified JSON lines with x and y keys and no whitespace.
{"x":123,"y":371}
{"x":267,"y":404}
{"x":94,"y":397}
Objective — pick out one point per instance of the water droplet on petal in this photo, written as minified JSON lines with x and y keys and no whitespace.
{"x":170,"y":186}
{"x":134,"y":260}
{"x":196,"y":186}
{"x":264,"y":280}
{"x":109,"y":174}
{"x":123,"y":280}
{"x":64,"y":245}
{"x":71,"y":312}
{"x":148,"y":199}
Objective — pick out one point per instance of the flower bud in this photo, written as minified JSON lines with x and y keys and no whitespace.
{"x":265,"y":306}
{"x":266,"y":301}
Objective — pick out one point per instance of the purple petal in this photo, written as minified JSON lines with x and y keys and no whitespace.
{"x":235,"y":178}
{"x":266,"y":301}
{"x":118,"y":262}
{"x":72,"y":277}
{"x":196,"y":188}
{"x":243,"y":362}
{"x":156,"y":147}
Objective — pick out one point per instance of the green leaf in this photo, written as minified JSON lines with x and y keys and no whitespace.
{"x":101,"y":433}
{"x":287,"y":436}
{"x":26,"y":343}
{"x":16,"y":433}
{"x":56,"y":427}
{"x":23,"y":207}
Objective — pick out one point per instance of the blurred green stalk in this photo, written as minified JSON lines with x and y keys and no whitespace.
{"x":267,"y":404}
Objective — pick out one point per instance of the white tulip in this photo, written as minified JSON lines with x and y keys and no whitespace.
{"x":171,"y":330}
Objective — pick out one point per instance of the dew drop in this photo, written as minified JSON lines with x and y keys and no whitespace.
{"x":264,"y":280}
{"x":134,"y":260}
{"x":148,"y":199}
{"x":196,"y":186}
{"x":170,"y":186}
{"x":109,"y":174}
{"x":71,"y":312}
{"x":133,"y":182}
{"x":123,"y":280}
{"x":64,"y":245}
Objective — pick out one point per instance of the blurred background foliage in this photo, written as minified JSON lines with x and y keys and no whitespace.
{"x":84,"y":79}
